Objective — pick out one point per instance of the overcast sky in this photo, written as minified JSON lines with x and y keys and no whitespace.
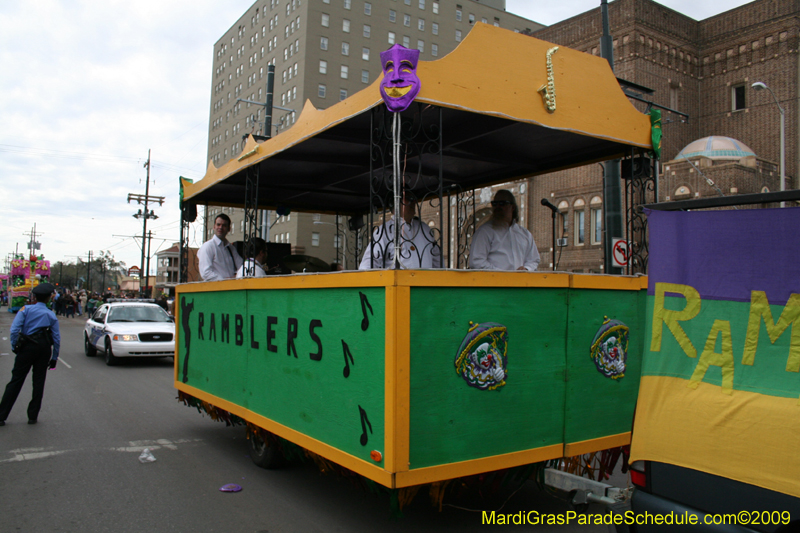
{"x":88,"y":86}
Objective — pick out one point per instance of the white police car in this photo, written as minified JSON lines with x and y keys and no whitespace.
{"x":129,"y":328}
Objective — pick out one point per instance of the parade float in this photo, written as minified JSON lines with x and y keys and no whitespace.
{"x":415,"y":377}
{"x":26,"y":273}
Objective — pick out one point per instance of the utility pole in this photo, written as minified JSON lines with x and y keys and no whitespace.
{"x":89,"y":272}
{"x":147,"y":273}
{"x":147,"y":214}
{"x":33,"y":245}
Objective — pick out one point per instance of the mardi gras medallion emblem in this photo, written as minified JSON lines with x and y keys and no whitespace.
{"x":482,"y":357}
{"x":610,"y":348}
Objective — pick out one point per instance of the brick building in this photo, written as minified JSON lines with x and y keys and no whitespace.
{"x":704,"y":69}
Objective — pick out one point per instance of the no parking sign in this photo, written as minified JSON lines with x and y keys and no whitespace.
{"x":620,"y":253}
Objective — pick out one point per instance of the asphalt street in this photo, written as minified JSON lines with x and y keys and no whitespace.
{"x":77,"y":470}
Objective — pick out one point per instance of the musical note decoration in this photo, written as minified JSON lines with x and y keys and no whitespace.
{"x":364,"y":305}
{"x":347,"y":355}
{"x":364,"y":424}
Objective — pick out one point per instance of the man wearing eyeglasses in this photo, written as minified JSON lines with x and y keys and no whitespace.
{"x":501,"y":243}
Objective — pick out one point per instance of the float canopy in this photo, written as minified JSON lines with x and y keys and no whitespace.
{"x":495,"y":128}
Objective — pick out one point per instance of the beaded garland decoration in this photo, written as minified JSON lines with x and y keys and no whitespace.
{"x":609,"y":349}
{"x":482,"y":358}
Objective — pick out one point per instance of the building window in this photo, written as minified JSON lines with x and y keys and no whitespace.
{"x":342,"y":94}
{"x":458,"y":36}
{"x":314,"y":238}
{"x":365,"y":54}
{"x":422,"y":4}
{"x":391,"y":37}
{"x":364,"y":76}
{"x":321,"y":90}
{"x":406,"y":41}
{"x":347,"y":4}
{"x":421,"y":24}
{"x":435,"y":8}
{"x":471,"y":18}
{"x":323,"y":66}
{"x":597,"y":220}
{"x":580,"y":236}
{"x":323,"y":43}
{"x":435,"y":28}
{"x":737,"y":97}
{"x":421,"y":46}
{"x":458,"y":15}
{"x":392,"y":15}
{"x":435,"y":50}
{"x":346,"y":26}
{"x":345,"y":72}
{"x":345,"y":49}
{"x":367,"y":30}
{"x":367,"y":8}
{"x":326,"y":20}
{"x":337,"y":241}
{"x":407,"y":20}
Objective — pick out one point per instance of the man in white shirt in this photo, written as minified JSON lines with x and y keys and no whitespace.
{"x":254,"y":267}
{"x":217,"y":257}
{"x":501,"y":243}
{"x":418,"y":247}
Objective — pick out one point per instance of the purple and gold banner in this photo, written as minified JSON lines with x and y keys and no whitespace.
{"x":720,"y":389}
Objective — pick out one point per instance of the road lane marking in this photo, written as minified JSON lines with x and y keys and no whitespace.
{"x":27,"y":454}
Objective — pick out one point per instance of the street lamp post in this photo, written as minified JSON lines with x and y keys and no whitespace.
{"x":344,"y":233}
{"x":760,"y":86}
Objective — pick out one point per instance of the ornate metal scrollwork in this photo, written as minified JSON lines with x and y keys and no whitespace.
{"x":401,"y":147}
{"x":641,"y":187}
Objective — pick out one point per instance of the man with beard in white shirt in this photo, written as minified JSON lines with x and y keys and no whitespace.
{"x":418,"y":247}
{"x":501,"y":243}
{"x":217,"y":258}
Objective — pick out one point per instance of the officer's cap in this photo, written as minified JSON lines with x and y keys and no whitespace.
{"x":43,"y":289}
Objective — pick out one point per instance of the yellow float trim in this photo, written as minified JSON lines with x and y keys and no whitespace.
{"x":432,"y":474}
{"x":608,"y":281}
{"x":397,"y":378}
{"x":593,"y":445}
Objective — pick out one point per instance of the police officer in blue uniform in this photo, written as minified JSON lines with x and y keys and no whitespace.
{"x":33,"y":332}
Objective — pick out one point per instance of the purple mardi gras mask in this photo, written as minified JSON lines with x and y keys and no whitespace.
{"x":400,"y":84}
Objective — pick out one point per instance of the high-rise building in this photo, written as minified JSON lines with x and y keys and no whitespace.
{"x":323,"y":51}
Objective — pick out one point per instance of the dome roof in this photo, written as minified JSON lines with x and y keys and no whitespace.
{"x":715,"y":147}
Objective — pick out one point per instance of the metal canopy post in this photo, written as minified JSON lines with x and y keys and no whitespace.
{"x":641,"y":184}
{"x":250,"y":217}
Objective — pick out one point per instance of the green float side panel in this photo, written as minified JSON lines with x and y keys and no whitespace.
{"x":451,"y":421}
{"x":283,"y":357}
{"x":599,"y":406}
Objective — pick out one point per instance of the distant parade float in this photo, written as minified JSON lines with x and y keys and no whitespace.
{"x":25,"y":275}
